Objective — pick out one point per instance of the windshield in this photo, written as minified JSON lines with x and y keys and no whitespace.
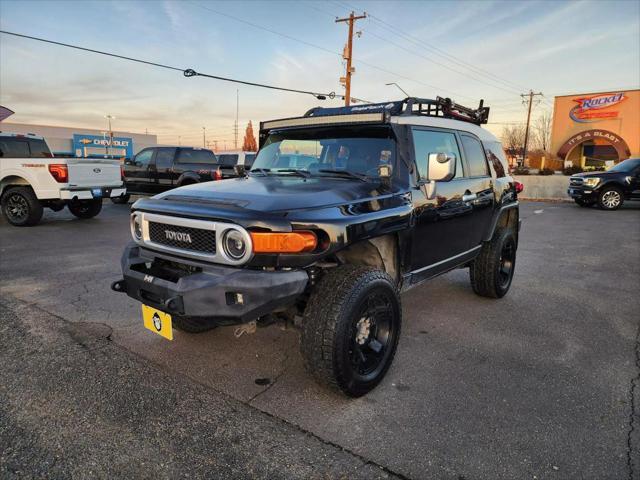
{"x":626,"y":166}
{"x":341,"y":152}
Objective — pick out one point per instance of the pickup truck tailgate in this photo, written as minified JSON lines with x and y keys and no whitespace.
{"x":91,"y":172}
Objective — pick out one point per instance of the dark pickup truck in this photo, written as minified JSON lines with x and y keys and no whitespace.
{"x":607,"y":189}
{"x":158,"y":169}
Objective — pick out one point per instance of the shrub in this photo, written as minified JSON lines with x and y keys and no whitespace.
{"x":546,"y":171}
{"x":572,"y":170}
{"x":520,"y":171}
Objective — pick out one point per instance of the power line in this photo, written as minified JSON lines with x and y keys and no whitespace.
{"x":439,"y":52}
{"x":186,"y":72}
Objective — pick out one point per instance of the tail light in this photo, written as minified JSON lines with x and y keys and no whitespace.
{"x":216,"y":174}
{"x":59,"y":172}
{"x":519,"y":187}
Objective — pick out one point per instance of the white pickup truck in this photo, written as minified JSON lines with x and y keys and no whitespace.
{"x":32,"y":179}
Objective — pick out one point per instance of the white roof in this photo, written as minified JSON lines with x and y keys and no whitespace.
{"x":478,"y":131}
{"x":21,"y":135}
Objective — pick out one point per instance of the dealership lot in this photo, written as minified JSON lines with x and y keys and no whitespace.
{"x":537,"y":384}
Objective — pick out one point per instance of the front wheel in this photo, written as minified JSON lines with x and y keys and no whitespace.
{"x":491,"y":273}
{"x":84,"y":209}
{"x":610,"y":198}
{"x":21,"y":207}
{"x":351,"y":328}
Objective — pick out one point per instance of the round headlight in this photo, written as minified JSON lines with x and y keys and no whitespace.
{"x":136,"y":227}
{"x":235,"y":245}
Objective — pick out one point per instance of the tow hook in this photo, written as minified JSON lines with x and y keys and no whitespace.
{"x":119,"y":286}
{"x":247,"y":328}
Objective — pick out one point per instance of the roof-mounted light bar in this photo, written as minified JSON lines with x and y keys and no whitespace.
{"x":321,"y":121}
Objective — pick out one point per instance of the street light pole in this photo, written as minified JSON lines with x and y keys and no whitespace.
{"x":204,"y":137}
{"x":399,"y":87}
{"x":110,"y":144}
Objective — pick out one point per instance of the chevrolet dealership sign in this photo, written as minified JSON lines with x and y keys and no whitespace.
{"x":101,"y":146}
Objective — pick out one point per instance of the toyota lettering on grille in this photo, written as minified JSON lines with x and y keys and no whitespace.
{"x":177,"y":236}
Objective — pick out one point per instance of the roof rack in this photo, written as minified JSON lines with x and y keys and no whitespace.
{"x":447,"y":108}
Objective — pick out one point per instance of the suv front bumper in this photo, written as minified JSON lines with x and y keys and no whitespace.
{"x":582,"y":193}
{"x":232,"y":293}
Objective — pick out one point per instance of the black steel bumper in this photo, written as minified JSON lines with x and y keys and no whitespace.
{"x":216,"y":291}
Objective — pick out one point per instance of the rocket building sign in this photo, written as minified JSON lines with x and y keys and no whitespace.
{"x":596,"y":107}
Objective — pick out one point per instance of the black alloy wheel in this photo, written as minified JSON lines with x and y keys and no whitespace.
{"x":21,"y":206}
{"x":17,"y":207}
{"x":507,"y":262}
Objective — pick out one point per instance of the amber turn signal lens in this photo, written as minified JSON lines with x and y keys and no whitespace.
{"x":293,"y":242}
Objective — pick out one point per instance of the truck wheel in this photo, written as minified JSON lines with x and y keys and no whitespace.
{"x":21,"y":207}
{"x":492,"y":271}
{"x":193,"y":324}
{"x":610,"y":198}
{"x":85,"y":208}
{"x":584,"y":203}
{"x":122,"y":199}
{"x":351,"y":328}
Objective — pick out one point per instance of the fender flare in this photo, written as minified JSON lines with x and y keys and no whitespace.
{"x":192,"y":177}
{"x":503,"y":210}
{"x":26,"y":180}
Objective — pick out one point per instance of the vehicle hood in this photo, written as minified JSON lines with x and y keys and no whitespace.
{"x":276,"y":193}
{"x":596,"y":174}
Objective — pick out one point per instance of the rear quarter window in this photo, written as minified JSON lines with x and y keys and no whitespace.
{"x":497,"y":158}
{"x":188,"y":155}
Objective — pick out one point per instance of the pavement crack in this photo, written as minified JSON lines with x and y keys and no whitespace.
{"x":634,"y":414}
{"x":271,"y":384}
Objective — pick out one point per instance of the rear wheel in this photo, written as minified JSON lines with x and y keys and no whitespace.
{"x":610,"y":198}
{"x":85,"y":208}
{"x":121,"y":200}
{"x":491,"y":273}
{"x":21,"y":207}
{"x":351,"y":328}
{"x":193,"y":324}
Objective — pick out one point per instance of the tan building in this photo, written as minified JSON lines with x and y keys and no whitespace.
{"x":596,"y":129}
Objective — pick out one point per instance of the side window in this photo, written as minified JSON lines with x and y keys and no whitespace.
{"x":143,"y":158}
{"x":249,"y":158}
{"x":14,"y":148}
{"x":429,"y":141}
{"x":164,"y":157}
{"x":228,"y":159}
{"x":475,"y":156}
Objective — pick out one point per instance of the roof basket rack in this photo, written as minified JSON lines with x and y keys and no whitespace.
{"x":446,"y":108}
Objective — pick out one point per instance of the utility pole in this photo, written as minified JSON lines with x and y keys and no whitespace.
{"x":204,"y":137}
{"x":348,"y":55}
{"x":529,"y":100}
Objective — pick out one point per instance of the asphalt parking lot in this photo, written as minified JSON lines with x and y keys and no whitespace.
{"x":536,"y":385}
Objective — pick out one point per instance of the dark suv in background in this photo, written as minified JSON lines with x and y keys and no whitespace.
{"x":158,"y":169}
{"x":608,"y":189}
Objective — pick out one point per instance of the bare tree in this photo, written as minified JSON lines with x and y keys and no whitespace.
{"x":513,"y":139}
{"x":542,"y":131}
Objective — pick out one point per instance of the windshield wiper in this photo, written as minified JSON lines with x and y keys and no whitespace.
{"x":263,"y":171}
{"x":346,"y":174}
{"x":297,"y":171}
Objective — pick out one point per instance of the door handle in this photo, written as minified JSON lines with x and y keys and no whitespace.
{"x":469,"y":197}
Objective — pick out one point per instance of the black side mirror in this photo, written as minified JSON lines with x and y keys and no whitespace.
{"x":240,"y":170}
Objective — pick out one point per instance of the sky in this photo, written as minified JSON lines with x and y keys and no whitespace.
{"x":466,"y":50}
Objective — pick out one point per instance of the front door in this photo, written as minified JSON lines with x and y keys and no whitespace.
{"x":139,"y":172}
{"x":442,"y":224}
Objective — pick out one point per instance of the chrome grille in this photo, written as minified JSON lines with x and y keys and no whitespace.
{"x":185,"y":238}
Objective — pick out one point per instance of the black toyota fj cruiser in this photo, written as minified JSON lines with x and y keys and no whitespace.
{"x":397,"y":193}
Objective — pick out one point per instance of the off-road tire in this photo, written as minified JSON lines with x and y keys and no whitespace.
{"x":585,"y":203}
{"x":328,"y":324}
{"x":603,"y":198}
{"x":193,"y":324}
{"x":25,"y":199}
{"x":85,"y":209}
{"x":485,"y":270}
{"x":121,"y":200}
